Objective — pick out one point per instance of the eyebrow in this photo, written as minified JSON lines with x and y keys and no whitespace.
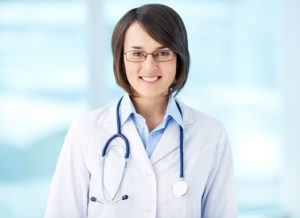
{"x":140,"y":47}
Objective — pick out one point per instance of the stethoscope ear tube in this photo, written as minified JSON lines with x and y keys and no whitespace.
{"x":104,"y":190}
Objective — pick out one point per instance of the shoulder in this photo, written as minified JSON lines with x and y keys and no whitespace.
{"x":203,"y":128}
{"x":93,"y":119}
{"x":192,"y":116}
{"x":205,"y":131}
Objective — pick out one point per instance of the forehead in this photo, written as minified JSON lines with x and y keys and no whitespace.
{"x":137,"y":37}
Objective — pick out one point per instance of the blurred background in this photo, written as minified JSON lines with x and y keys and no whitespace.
{"x":56,"y":63}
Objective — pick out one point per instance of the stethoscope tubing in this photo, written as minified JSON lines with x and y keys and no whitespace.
{"x":181,"y":173}
{"x":119,"y":134}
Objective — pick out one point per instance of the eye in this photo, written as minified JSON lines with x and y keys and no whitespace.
{"x":137,"y":53}
{"x":163,"y":53}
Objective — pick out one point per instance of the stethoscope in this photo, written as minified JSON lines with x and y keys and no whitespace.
{"x":180,"y":187}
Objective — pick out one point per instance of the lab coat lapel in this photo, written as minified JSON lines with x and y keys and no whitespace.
{"x":137,"y":149}
{"x":168,"y":142}
{"x":170,"y":139}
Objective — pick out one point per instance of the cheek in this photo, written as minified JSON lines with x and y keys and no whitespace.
{"x":173,"y":65}
{"x":171,"y":69}
{"x":130,"y":69}
{"x":129,"y":65}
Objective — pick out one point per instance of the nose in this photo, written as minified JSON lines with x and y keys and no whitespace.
{"x":150,"y":64}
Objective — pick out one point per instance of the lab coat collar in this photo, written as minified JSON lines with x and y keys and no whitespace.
{"x":186,"y":112}
{"x":173,"y":111}
{"x":127,"y":109}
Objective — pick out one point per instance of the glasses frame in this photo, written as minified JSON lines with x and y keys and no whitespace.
{"x":150,"y":53}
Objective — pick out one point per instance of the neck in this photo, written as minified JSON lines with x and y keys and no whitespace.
{"x":152,"y":109}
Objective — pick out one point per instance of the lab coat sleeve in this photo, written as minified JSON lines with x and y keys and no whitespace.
{"x":218,"y":200}
{"x":68,"y":196}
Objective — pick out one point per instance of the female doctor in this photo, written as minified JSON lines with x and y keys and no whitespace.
{"x":149,"y":155}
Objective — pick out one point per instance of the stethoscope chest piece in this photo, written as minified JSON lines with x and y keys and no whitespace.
{"x":180,"y":188}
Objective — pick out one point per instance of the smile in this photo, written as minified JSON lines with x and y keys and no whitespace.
{"x":150,"y":78}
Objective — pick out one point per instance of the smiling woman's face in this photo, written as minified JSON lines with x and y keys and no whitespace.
{"x":148,"y":78}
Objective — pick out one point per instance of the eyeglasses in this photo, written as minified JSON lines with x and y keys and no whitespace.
{"x":140,"y":56}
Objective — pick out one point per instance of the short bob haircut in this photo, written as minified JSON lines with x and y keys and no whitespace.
{"x":165,"y":26}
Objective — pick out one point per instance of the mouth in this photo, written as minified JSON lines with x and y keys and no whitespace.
{"x":150,"y":79}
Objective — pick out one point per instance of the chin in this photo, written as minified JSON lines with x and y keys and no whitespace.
{"x":153,"y":95}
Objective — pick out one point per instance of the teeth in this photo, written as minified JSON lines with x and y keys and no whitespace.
{"x":150,"y":79}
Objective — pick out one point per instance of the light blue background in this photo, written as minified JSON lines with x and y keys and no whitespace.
{"x":48,"y":59}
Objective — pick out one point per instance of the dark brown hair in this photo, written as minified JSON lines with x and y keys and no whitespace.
{"x":164,"y":25}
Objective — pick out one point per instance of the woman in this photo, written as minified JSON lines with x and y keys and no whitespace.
{"x":167,"y":159}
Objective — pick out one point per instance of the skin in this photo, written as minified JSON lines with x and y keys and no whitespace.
{"x":150,"y":79}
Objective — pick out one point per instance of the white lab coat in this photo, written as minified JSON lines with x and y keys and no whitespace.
{"x":148,"y":182}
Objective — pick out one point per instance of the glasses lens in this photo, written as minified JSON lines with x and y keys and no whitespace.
{"x":135,"y":56}
{"x":163,"y":55}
